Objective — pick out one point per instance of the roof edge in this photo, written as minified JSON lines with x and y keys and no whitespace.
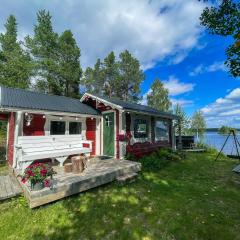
{"x":100,"y":99}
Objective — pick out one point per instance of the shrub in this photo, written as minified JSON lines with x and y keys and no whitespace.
{"x":209,"y":149}
{"x":161,"y":159}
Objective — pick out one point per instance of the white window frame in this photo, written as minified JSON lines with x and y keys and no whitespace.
{"x":155,"y":128}
{"x":65,"y":119}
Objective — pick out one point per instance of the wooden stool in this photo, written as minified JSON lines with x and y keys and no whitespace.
{"x":85,"y":160}
{"x":68,"y":167}
{"x":77,"y":164}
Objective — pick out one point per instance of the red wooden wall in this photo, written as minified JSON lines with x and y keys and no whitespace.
{"x":4,"y":117}
{"x":91,"y":133}
{"x":36,"y":127}
{"x":139,"y":149}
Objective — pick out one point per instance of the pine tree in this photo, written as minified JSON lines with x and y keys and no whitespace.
{"x":15,"y":63}
{"x":69,"y":64}
{"x":120,"y":79}
{"x":158,"y":97}
{"x":111,"y":75}
{"x":131,"y":76}
{"x":43,"y":47}
{"x":93,"y":79}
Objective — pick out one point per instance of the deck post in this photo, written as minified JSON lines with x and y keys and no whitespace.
{"x":179,"y":135}
{"x":16,"y":134}
{"x":172,"y":132}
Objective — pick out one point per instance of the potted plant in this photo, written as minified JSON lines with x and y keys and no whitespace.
{"x":38,"y":175}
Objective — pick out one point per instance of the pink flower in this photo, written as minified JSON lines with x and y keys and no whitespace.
{"x":30,"y":173}
{"x":24,"y":180}
{"x":46,"y":183}
{"x":43,"y":172}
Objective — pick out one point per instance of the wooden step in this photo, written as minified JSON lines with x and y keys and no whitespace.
{"x":130,"y":177}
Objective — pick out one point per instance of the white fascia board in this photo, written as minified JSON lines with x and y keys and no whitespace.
{"x":49,"y":112}
{"x":100,"y":100}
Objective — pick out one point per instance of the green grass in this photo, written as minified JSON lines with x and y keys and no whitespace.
{"x":3,"y":169}
{"x":196,"y":198}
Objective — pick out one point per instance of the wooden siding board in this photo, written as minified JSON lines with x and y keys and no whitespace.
{"x":36,"y":127}
{"x":91,"y":133}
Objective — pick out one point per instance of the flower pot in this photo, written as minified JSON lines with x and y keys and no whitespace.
{"x":37,"y":186}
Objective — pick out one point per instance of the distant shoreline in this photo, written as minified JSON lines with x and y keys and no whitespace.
{"x":216,"y":129}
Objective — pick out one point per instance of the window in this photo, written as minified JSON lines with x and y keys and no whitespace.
{"x":57,"y":128}
{"x":75,"y":128}
{"x":162,"y":131}
{"x":140,"y":128}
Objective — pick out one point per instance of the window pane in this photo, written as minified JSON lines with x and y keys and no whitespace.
{"x":162,"y":131}
{"x":57,"y":128}
{"x":140,"y":128}
{"x":75,"y":128}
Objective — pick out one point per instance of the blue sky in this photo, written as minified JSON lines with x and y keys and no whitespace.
{"x":165,"y":35}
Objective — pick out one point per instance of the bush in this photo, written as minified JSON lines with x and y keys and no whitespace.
{"x":161,"y":159}
{"x":209,"y":149}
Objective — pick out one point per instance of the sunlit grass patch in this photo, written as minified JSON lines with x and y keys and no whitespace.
{"x":195,"y":198}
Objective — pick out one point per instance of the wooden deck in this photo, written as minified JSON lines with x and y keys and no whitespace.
{"x":98,"y":172}
{"x":9,"y":187}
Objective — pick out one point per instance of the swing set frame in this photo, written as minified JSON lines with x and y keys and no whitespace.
{"x":236,"y":141}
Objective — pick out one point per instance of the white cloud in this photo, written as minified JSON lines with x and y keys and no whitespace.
{"x":225,"y":110}
{"x":235,"y":94}
{"x":200,"y":69}
{"x":151,"y":30}
{"x":182,"y":102}
{"x":175,"y":88}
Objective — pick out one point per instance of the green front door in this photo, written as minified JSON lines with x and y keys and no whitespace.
{"x":108,"y":134}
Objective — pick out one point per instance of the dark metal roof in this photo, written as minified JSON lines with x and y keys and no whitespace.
{"x":137,"y":107}
{"x":29,"y":100}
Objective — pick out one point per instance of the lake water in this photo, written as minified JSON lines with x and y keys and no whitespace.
{"x":216,"y":140}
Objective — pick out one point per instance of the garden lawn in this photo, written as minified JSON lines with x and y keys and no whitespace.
{"x":195,"y":198}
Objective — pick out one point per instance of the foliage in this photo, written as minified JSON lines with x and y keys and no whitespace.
{"x":37,"y":173}
{"x":223,"y":18}
{"x":131,"y":76}
{"x":57,"y":65}
{"x":111,"y":75}
{"x":52,"y":64}
{"x":120,"y":79}
{"x":69,"y":71}
{"x":208,"y":149}
{"x":195,"y":198}
{"x":43,"y":47}
{"x":226,"y":130}
{"x":93,"y":79}
{"x":183,"y":121}
{"x":161,"y":158}
{"x":158,"y":97}
{"x":4,"y":170}
{"x":198,"y":124}
{"x":15,"y":63}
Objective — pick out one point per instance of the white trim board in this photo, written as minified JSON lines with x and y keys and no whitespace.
{"x":101,"y":100}
{"x":66,"y":120}
{"x":45,"y":112}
